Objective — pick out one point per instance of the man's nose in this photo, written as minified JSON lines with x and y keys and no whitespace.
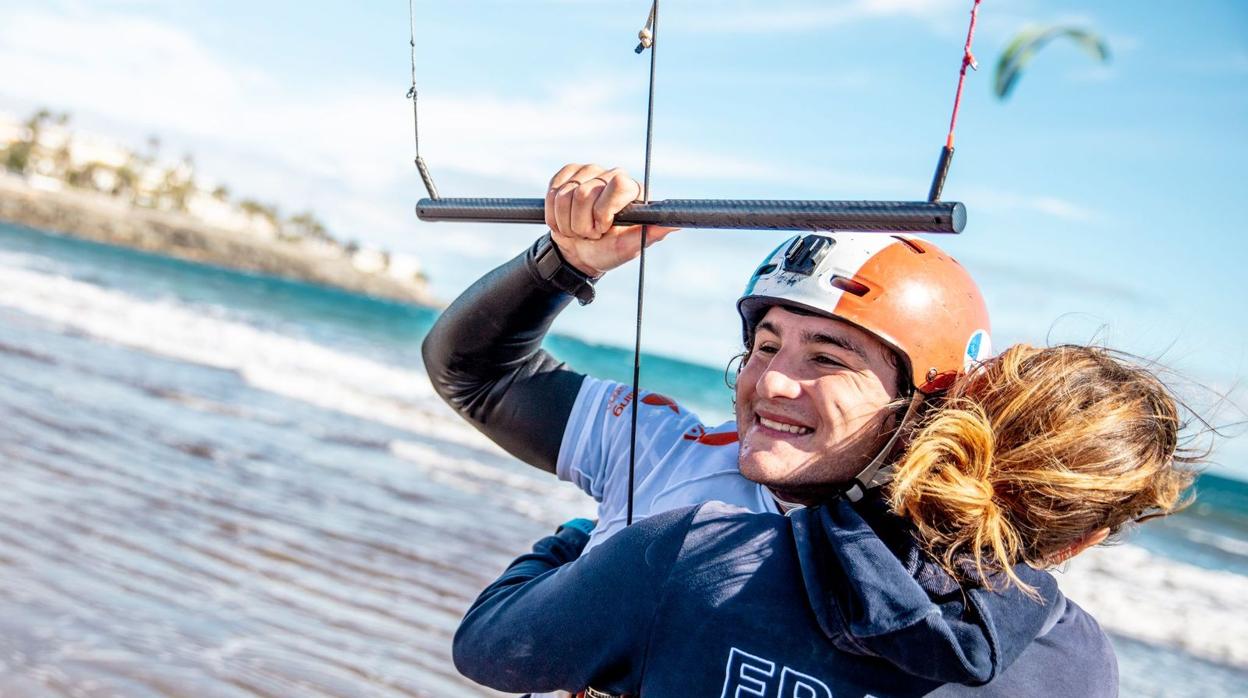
{"x":778,"y":381}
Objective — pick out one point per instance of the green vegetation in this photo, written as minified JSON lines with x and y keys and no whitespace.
{"x":306,"y":225}
{"x":17,"y":157}
{"x":18,"y":154}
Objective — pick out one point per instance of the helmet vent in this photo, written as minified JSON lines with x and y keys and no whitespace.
{"x":848,"y":285}
{"x":912,"y":244}
{"x":765,"y":269}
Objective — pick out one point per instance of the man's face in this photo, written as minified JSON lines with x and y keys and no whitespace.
{"x":811,"y":401}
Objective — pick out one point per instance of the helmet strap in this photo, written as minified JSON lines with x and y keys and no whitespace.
{"x":879,"y":471}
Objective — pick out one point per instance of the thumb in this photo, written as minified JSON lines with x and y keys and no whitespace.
{"x":656,"y":233}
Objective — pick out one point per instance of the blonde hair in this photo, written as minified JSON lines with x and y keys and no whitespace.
{"x":1034,"y":451}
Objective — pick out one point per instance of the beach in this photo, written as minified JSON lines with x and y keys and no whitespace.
{"x":225,"y":483}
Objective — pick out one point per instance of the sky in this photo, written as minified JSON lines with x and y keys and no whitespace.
{"x":1103,"y":199}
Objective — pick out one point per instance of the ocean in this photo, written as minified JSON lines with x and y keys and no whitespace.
{"x":219,"y":483}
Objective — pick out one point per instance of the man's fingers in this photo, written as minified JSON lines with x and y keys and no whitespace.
{"x":581,"y":212}
{"x":620,"y":191}
{"x":564,"y":174}
{"x":657,"y":233}
{"x":588,"y":172}
{"x":563,"y":208}
{"x":584,"y":204}
{"x":561,"y":177}
{"x":558,"y":208}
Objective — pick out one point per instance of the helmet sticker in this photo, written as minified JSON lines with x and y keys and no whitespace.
{"x":978,"y":348}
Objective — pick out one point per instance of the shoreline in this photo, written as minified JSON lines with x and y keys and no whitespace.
{"x":102,"y":218}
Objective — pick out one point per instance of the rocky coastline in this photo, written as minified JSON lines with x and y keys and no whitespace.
{"x":102,"y":218}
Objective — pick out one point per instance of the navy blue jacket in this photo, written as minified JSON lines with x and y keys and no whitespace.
{"x":835,"y":600}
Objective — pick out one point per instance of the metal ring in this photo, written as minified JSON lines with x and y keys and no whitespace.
{"x":579,"y":182}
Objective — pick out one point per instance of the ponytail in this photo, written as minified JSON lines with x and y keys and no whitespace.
{"x":1032,"y":452}
{"x":945,"y":486}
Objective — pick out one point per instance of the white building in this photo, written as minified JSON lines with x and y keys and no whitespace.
{"x":85,"y":149}
{"x":224,"y":214}
{"x":370,"y":261}
{"x":404,"y":267}
{"x":11,"y":129}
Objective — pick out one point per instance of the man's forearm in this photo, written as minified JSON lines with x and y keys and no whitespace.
{"x":484,"y":357}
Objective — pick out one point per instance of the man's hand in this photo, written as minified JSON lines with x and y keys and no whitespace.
{"x":581,"y":204}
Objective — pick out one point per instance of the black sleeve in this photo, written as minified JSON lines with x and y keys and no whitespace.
{"x":485,"y":359}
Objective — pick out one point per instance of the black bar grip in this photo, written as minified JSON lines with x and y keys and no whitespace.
{"x":426,"y":178}
{"x":729,"y":214}
{"x":942,"y":171}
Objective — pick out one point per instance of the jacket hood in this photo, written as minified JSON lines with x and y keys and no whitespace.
{"x":876,"y":593}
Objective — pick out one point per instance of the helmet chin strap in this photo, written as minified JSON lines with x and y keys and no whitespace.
{"x":875,"y":474}
{"x":880,"y":470}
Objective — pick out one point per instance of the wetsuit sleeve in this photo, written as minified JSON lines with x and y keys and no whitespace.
{"x":484,"y":357}
{"x":554,"y":622}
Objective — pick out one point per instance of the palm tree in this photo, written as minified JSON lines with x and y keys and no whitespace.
{"x":306,"y":225}
{"x":35,"y":123}
{"x":18,"y":157}
{"x":126,"y":180}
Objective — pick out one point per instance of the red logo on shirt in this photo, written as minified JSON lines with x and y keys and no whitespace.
{"x":618,"y":406}
{"x":698,"y":433}
{"x":661,"y":401}
{"x":723,"y":438}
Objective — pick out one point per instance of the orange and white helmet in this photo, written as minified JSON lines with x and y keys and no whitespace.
{"x":906,"y":291}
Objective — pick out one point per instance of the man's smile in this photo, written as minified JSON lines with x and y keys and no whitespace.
{"x":783,"y":426}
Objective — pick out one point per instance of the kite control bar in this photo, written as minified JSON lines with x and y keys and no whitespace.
{"x":737,"y":214}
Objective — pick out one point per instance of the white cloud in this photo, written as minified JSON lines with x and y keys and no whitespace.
{"x":357,"y":136}
{"x":345,"y":149}
{"x":999,"y":201}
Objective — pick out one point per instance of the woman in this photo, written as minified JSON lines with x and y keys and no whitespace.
{"x":1030,"y":459}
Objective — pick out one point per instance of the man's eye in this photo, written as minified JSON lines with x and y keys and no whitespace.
{"x":767,"y":349}
{"x":826,"y":360}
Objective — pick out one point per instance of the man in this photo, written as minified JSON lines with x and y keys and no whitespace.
{"x":846,"y":336}
{"x":849,"y":333}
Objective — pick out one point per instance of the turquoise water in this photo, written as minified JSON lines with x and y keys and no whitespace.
{"x":375,"y":327}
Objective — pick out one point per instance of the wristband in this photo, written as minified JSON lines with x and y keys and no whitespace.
{"x":551,"y":267}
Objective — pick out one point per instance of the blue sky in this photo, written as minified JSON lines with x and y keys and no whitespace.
{"x":1103,"y":199}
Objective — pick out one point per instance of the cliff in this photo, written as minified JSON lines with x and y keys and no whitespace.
{"x":102,"y":218}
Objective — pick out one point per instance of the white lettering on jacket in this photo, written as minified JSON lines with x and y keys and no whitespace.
{"x":748,"y":675}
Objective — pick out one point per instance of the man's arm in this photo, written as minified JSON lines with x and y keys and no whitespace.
{"x":553,"y":622}
{"x":484,"y":354}
{"x":484,"y":357}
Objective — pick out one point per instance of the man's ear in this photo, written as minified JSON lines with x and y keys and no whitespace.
{"x":1094,"y":538}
